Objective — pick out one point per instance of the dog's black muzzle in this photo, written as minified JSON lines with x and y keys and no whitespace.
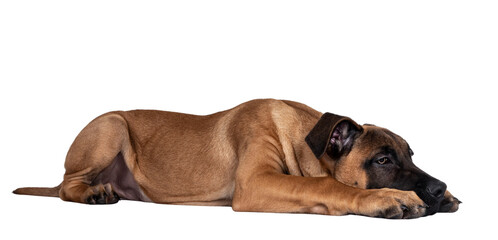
{"x":428,"y":188}
{"x":432,"y":193}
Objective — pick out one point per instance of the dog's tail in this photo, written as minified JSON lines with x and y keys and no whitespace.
{"x":39,"y":191}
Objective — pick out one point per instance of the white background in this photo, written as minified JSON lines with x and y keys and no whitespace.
{"x":424,"y":69}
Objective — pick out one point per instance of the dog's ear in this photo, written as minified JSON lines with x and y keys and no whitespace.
{"x":333,"y":134}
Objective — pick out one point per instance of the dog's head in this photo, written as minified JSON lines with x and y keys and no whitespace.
{"x":371,"y":157}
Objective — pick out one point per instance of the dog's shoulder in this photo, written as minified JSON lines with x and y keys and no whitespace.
{"x":270,"y":117}
{"x":275,"y":107}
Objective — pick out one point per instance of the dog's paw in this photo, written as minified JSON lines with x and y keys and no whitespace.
{"x":393,"y":204}
{"x":101,"y":194}
{"x":449,"y":203}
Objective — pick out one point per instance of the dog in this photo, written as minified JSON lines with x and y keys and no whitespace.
{"x":264,"y":155}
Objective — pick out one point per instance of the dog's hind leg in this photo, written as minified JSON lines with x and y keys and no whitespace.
{"x":94,"y":149}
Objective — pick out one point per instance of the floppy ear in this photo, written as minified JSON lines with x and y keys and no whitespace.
{"x":333,"y":134}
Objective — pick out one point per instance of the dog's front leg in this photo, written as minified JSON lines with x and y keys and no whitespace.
{"x":273,"y":192}
{"x":262,"y":187}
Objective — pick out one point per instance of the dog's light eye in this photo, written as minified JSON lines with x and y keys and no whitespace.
{"x":383,"y":161}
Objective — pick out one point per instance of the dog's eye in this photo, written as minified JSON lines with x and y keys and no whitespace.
{"x":383,"y":161}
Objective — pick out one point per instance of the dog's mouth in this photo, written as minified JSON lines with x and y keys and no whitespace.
{"x":432,"y":193}
{"x":433,"y":203}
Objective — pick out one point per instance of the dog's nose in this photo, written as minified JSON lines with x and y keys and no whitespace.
{"x":436,"y":188}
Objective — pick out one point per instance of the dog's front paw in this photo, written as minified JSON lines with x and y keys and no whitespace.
{"x":392,"y":203}
{"x":449,"y":203}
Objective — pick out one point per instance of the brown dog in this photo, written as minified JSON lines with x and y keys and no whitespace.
{"x":263,"y":155}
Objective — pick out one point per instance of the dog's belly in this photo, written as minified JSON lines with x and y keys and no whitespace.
{"x":174,"y":181}
{"x":210,"y":186}
{"x":121,"y":179}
